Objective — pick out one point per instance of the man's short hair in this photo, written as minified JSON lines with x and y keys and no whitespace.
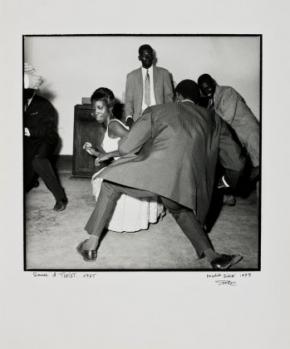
{"x":145,"y":47}
{"x":188,"y":89}
{"x":205,"y":78}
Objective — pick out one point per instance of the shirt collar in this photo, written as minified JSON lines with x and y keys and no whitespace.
{"x":217,"y":89}
{"x":187,"y":100}
{"x":144,"y":70}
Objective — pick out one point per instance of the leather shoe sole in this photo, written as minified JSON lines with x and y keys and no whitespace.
{"x":224,"y":261}
{"x":88,"y":255}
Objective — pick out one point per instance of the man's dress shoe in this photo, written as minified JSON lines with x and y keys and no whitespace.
{"x":225,"y":261}
{"x":255,"y":174}
{"x":60,"y":205}
{"x":88,"y":255}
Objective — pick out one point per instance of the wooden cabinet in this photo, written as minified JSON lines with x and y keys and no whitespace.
{"x":86,"y":129}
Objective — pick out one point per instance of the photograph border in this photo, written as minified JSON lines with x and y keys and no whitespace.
{"x":259,"y":191}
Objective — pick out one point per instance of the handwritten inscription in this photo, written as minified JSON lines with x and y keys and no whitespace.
{"x":43,"y":275}
{"x":228,"y":279}
{"x":64,"y":275}
{"x":219,"y":278}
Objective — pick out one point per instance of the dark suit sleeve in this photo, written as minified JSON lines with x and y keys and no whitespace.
{"x":46,"y":129}
{"x":230,"y":152}
{"x":168,"y":89}
{"x":138,"y":135}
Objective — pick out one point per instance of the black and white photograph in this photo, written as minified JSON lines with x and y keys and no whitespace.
{"x":144,"y":175}
{"x":142,"y":152}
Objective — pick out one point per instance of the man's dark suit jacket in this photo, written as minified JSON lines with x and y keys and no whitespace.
{"x":40,"y":118}
{"x":180,"y":144}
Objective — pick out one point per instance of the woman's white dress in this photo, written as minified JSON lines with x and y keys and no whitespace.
{"x":130,"y":214}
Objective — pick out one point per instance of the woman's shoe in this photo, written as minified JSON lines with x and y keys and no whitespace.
{"x":88,"y":255}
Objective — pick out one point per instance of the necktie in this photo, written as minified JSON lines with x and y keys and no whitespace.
{"x":25,"y":104}
{"x":211,"y":103}
{"x":147,"y":89}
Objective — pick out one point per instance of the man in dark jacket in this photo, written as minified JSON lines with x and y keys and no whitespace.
{"x":231,"y":107}
{"x":177,"y":146}
{"x":40,"y":142}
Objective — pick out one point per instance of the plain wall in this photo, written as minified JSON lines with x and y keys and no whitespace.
{"x":73,"y":67}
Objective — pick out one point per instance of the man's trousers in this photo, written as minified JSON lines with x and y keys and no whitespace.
{"x":111,"y":192}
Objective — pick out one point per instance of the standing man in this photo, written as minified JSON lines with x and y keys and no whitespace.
{"x":146,"y":86}
{"x":40,"y":142}
{"x":177,"y":146}
{"x":231,"y":106}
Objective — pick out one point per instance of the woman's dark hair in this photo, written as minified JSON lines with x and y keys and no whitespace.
{"x":107,"y":96}
{"x":104,"y":94}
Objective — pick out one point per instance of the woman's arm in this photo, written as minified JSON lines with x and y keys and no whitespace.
{"x":90,"y":150}
{"x":117,"y":129}
{"x":106,"y":156}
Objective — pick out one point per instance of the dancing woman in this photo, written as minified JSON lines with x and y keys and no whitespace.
{"x":130,"y":214}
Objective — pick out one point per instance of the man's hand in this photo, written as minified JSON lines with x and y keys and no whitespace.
{"x":129,"y":122}
{"x":28,"y":68}
{"x":102,"y":158}
{"x":26,"y":132}
{"x":32,"y":81}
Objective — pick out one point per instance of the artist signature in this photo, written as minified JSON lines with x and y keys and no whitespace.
{"x":228,"y":279}
{"x":226,"y":282}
